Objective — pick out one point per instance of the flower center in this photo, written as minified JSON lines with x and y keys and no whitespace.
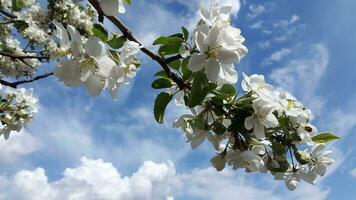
{"x":212,"y":53}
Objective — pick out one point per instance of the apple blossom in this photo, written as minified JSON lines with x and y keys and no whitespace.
{"x":262,"y":129}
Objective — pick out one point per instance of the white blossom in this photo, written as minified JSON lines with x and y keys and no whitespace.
{"x":112,"y":7}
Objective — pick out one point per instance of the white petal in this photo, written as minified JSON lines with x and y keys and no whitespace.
{"x":271,"y":121}
{"x":74,"y":34}
{"x":197,"y":62}
{"x":95,"y":48}
{"x":249,"y":123}
{"x":258,"y":130}
{"x":112,"y":7}
{"x":121,"y":7}
{"x":292,"y":183}
{"x":94,"y":84}
{"x":213,"y":70}
{"x":105,"y":65}
{"x":198,"y":139}
{"x":62,"y":34}
{"x":68,"y":72}
{"x":228,"y":74}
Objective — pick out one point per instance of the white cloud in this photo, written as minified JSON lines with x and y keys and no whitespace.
{"x":277,"y":56}
{"x":93,"y":179}
{"x":257,"y":25}
{"x":285,"y":23}
{"x":256,"y":10}
{"x":302,"y":76}
{"x":264,"y":44}
{"x":17,"y":146}
{"x":353,"y":173}
{"x":96,"y":179}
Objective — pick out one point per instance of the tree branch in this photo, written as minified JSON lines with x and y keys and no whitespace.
{"x":125,"y":31}
{"x":15,"y":84}
{"x":17,"y":57}
{"x":7,"y":14}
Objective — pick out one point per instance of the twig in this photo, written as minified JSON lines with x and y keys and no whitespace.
{"x":15,"y":84}
{"x":17,"y":57}
{"x":7,"y":14}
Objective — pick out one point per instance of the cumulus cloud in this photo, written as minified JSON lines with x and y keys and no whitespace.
{"x":93,"y":179}
{"x":96,"y":179}
{"x":17,"y":146}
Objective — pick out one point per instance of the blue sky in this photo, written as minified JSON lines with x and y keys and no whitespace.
{"x":304,"y":46}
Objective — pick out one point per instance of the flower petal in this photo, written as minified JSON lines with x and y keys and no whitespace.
{"x":95,"y":48}
{"x":197,"y":62}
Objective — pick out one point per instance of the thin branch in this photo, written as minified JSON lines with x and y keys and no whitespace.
{"x":7,"y":14}
{"x":125,"y":31}
{"x":173,"y":58}
{"x":15,"y":84}
{"x":18,"y":57}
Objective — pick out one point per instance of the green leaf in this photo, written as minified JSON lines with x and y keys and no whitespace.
{"x":218,"y":128}
{"x":175,"y":64}
{"x":160,"y":106}
{"x":186,"y":72}
{"x":324,"y":138}
{"x":100,"y":31}
{"x":17,"y":5}
{"x":185,"y":33}
{"x":167,"y":40}
{"x":161,"y":83}
{"x":226,"y":91}
{"x":169,"y":49}
{"x":200,"y":89}
{"x":128,"y":2}
{"x":161,"y":74}
{"x":198,"y":123}
{"x":117,"y":41}
{"x":278,"y":148}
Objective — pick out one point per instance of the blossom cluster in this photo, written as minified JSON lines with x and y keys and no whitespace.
{"x":218,"y":45}
{"x":32,"y":22}
{"x":263,"y":130}
{"x":90,"y":62}
{"x":17,"y":108}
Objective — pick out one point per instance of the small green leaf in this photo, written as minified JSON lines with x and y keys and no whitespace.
{"x":100,"y":31}
{"x":198,"y":123}
{"x":324,"y":138}
{"x":218,"y":128}
{"x":17,"y":5}
{"x":186,"y":72}
{"x":175,"y":64}
{"x":199,"y":89}
{"x":185,"y":33}
{"x":169,"y":49}
{"x":128,"y":2}
{"x":117,"y":41}
{"x":161,"y":83}
{"x":161,"y":73}
{"x":167,"y":40}
{"x":228,"y":90}
{"x":160,"y":106}
{"x":278,"y":148}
